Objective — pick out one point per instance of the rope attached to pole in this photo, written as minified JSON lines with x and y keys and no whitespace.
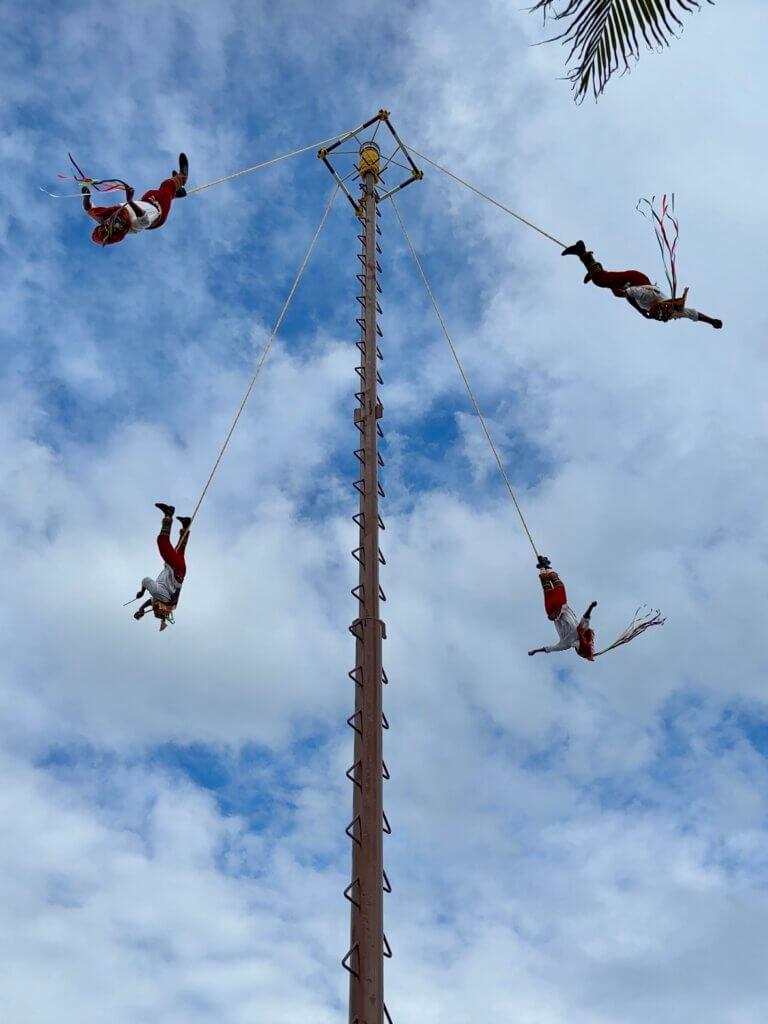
{"x":265,"y":352}
{"x":111,"y":182}
{"x":455,"y":355}
{"x":490,"y":199}
{"x":266,"y":163}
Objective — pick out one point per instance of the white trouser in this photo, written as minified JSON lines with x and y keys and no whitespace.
{"x":156,"y":589}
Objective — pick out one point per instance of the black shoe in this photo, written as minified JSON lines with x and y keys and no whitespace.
{"x":543,"y":563}
{"x":180,"y":192}
{"x":167,"y":510}
{"x":86,"y":197}
{"x":577,"y":249}
{"x":183,"y":164}
{"x":186,"y":521}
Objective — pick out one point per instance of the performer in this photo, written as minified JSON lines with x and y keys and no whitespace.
{"x":637,"y":289}
{"x":117,"y":222}
{"x":572,"y":631}
{"x":164,"y":591}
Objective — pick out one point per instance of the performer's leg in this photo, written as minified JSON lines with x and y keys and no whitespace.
{"x":142,"y":610}
{"x":181,"y":544}
{"x":554,"y":593}
{"x":616,"y":280}
{"x":164,"y":195}
{"x":152,"y":587}
{"x":168,"y":552}
{"x":702,"y":318}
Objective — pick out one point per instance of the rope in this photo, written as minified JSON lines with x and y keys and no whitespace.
{"x":452,"y":347}
{"x":265,"y":352}
{"x":266,"y":163}
{"x":490,"y":199}
{"x":210,"y":184}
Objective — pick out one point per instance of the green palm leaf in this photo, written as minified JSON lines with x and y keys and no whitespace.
{"x":604,"y":34}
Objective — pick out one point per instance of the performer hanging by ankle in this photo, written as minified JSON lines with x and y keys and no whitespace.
{"x":572,"y":631}
{"x":637,"y":289}
{"x":164,"y":591}
{"x":117,"y":222}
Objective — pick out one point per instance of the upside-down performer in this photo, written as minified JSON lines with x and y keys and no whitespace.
{"x":146,"y":214}
{"x":164,"y":591}
{"x":637,"y":289}
{"x":578,"y":633}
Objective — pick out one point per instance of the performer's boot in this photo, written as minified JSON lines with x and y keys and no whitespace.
{"x":577,"y":249}
{"x":180,"y":176}
{"x":585,"y":255}
{"x":543,"y":563}
{"x":712,"y":321}
{"x":167,"y":510}
{"x":167,"y":523}
{"x":186,"y":522}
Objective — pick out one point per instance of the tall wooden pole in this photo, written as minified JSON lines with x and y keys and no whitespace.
{"x":365,"y":959}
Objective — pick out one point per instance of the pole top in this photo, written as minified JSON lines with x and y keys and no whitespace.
{"x":369,"y":159}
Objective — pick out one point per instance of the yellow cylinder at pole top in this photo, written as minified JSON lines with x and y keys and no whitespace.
{"x":369,"y":159}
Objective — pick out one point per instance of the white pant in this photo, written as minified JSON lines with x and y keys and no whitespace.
{"x":156,"y":589}
{"x":688,"y":313}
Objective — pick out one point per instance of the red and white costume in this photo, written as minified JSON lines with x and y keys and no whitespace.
{"x":167,"y":586}
{"x":154,"y":204}
{"x":573,"y":632}
{"x":636,"y":288}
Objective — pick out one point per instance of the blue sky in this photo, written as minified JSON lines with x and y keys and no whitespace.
{"x":572,"y":842}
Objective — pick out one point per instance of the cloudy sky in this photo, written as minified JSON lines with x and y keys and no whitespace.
{"x":572,"y":842}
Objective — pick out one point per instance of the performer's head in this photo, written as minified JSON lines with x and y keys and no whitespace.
{"x":586,"y":648}
{"x":112,"y":229}
{"x":160,"y":610}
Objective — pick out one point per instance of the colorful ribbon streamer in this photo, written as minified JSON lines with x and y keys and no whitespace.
{"x":98,"y":184}
{"x":666,"y":226}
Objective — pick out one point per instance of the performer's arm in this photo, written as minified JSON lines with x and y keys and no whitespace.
{"x":588,"y":612}
{"x":129,"y":202}
{"x":563,"y":645}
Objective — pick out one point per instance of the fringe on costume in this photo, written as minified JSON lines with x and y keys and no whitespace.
{"x":639,"y":624}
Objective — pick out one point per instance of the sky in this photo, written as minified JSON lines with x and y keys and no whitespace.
{"x":572,"y":842}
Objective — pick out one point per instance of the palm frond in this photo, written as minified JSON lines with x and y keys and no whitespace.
{"x":604,"y":34}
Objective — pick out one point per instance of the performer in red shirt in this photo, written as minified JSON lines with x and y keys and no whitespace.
{"x":117,"y":222}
